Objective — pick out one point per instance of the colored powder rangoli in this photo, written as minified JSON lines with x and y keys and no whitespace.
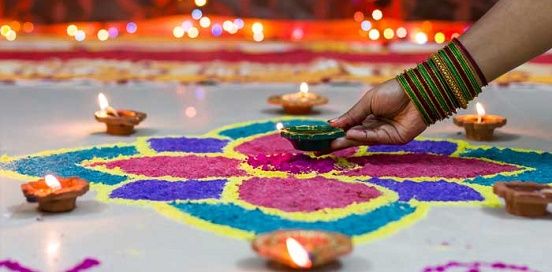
{"x":305,"y":195}
{"x":478,"y":267}
{"x":247,"y":179}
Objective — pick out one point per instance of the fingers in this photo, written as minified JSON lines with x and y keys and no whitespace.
{"x":355,"y":115}
{"x":384,"y":134}
{"x":342,"y":143}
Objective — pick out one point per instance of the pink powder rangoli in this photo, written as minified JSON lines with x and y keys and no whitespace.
{"x":244,"y":179}
{"x":305,"y":195}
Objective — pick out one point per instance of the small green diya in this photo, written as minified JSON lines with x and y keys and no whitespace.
{"x":312,"y":137}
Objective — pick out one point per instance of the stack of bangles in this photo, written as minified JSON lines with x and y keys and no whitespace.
{"x":446,"y":81}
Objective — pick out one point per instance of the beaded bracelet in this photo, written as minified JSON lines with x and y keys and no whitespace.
{"x":448,"y":80}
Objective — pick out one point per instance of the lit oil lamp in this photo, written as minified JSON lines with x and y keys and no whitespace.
{"x":527,"y":199}
{"x":300,"y":102}
{"x":118,"y":122}
{"x":310,"y":137}
{"x":479,"y":127}
{"x":53,"y":194}
{"x":302,"y":249}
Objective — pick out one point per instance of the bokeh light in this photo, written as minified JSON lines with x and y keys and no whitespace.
{"x":197,"y":14}
{"x":216,"y":30}
{"x":178,"y":32}
{"x":365,"y":25}
{"x":72,"y":30}
{"x":28,"y":27}
{"x":297,"y":34}
{"x":131,"y":27}
{"x":205,"y":22}
{"x":15,"y":25}
{"x":11,"y":35}
{"x":258,"y":36}
{"x":420,"y":38}
{"x":200,"y":3}
{"x":239,"y":23}
{"x":439,"y":37}
{"x":374,"y":34}
{"x":377,"y":14}
{"x":80,"y":35}
{"x":401,"y":32}
{"x":190,"y":112}
{"x":359,"y":16}
{"x":103,"y":35}
{"x":257,"y":27}
{"x":388,"y":33}
{"x":193,"y":32}
{"x":113,"y":32}
{"x":186,"y":25}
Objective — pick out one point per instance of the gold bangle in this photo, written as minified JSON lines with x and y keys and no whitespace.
{"x":450,"y":80}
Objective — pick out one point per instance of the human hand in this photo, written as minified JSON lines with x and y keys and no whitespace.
{"x":384,"y":115}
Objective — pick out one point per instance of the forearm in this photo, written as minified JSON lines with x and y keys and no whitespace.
{"x":511,"y":33}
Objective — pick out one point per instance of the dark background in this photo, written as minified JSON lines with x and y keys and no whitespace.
{"x":57,"y":11}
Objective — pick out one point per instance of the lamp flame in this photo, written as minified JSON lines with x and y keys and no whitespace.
{"x":279,"y":126}
{"x":304,"y":87}
{"x":52,"y":182}
{"x":102,"y":101}
{"x":298,"y":253}
{"x":104,"y":105}
{"x":480,"y":111}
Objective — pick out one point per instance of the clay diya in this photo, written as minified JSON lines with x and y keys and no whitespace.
{"x":302,"y":249}
{"x":118,"y":122}
{"x":55,"y":195}
{"x":300,"y":102}
{"x":311,"y":137}
{"x":524,"y":198}
{"x":479,"y":127}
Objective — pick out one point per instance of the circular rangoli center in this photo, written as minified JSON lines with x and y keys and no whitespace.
{"x":304,"y":195}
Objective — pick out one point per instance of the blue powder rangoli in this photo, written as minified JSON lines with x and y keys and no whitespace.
{"x":242,"y":180}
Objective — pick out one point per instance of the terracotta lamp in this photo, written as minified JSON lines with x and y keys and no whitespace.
{"x":118,"y":122}
{"x":302,"y":249}
{"x":479,"y":127}
{"x":525,"y":198}
{"x":311,"y":137}
{"x":53,"y":194}
{"x":300,"y":102}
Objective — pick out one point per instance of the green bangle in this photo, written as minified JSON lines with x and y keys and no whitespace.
{"x":434,"y":113}
{"x":466,"y":66}
{"x":409,"y":92}
{"x":445,"y":90}
{"x":459,"y":81}
{"x":427,"y":78}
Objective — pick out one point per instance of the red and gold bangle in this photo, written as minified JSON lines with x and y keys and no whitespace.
{"x":469,"y":57}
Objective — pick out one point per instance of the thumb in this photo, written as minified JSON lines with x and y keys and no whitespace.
{"x":356,"y":114}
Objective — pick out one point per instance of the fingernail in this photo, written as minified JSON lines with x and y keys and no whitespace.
{"x":332,"y":120}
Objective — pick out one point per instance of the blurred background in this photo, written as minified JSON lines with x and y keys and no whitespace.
{"x":191,"y":41}
{"x":55,"y":11}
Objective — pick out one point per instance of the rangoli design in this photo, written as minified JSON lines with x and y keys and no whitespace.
{"x":244,"y":179}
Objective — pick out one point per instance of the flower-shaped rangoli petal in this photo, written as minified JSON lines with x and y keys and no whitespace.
{"x":186,"y":166}
{"x":305,"y":195}
{"x":244,"y":179}
{"x":424,"y":165}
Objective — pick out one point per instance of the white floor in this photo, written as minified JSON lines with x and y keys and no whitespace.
{"x":36,"y":117}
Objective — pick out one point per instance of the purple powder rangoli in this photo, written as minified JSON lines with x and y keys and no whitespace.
{"x":478,"y":267}
{"x":159,"y":190}
{"x":15,"y":266}
{"x":244,"y":179}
